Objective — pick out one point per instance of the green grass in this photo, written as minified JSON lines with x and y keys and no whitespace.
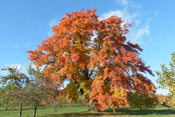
{"x":41,"y":112}
{"x":83,"y":112}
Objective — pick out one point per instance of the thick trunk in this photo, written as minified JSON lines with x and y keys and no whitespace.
{"x":34,"y":113}
{"x":92,"y":105}
{"x":20,"y":110}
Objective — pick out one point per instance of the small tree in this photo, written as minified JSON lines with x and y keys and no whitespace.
{"x":16,"y":98}
{"x":12,"y":85}
{"x":5,"y":99}
{"x":142,"y":101}
{"x":161,"y":98}
{"x":169,"y":101}
{"x":38,"y":90}
{"x":166,"y":78}
{"x":1,"y":93}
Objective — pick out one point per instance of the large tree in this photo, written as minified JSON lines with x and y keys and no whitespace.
{"x":95,"y":57}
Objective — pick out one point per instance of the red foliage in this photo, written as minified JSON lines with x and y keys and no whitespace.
{"x":109,"y":60}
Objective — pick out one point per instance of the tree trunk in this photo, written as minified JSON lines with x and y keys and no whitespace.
{"x":113,"y":107}
{"x":130,"y":106}
{"x":55,"y":107}
{"x":92,"y":105}
{"x":141,"y":108}
{"x":6,"y":108}
{"x":20,"y":110}
{"x":34,"y":113}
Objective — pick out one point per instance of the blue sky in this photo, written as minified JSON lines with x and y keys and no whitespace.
{"x":25,"y":23}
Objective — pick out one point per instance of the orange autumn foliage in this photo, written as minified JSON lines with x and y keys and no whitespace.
{"x":87,"y":50}
{"x":161,"y":98}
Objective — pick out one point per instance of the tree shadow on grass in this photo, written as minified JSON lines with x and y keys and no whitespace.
{"x":127,"y":111}
{"x":78,"y":114}
{"x":119,"y":112}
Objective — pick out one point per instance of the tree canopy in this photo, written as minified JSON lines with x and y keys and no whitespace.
{"x":143,"y":101}
{"x":95,"y":56}
{"x":12,"y":86}
{"x":166,"y":80}
{"x":166,"y":77}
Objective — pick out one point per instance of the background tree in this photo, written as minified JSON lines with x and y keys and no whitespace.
{"x":37,"y":90}
{"x":166,"y":78}
{"x":169,"y":101}
{"x":142,"y":101}
{"x":161,"y":98}
{"x":1,"y":92}
{"x":12,"y":87}
{"x":95,"y":56}
{"x":4,"y":99}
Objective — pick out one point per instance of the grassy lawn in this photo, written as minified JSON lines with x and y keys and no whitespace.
{"x":83,"y":112}
{"x":41,"y":112}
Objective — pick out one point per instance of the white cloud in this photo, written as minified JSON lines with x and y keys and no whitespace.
{"x":156,"y":12}
{"x":129,"y":4}
{"x":16,"y":45}
{"x":27,"y":44}
{"x":138,"y":22}
{"x":124,"y":2}
{"x":143,"y":31}
{"x":140,"y":29}
{"x":53,"y":22}
{"x":50,"y":33}
{"x":124,"y":14}
{"x":34,"y":66}
{"x":136,"y":36}
{"x":3,"y":72}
